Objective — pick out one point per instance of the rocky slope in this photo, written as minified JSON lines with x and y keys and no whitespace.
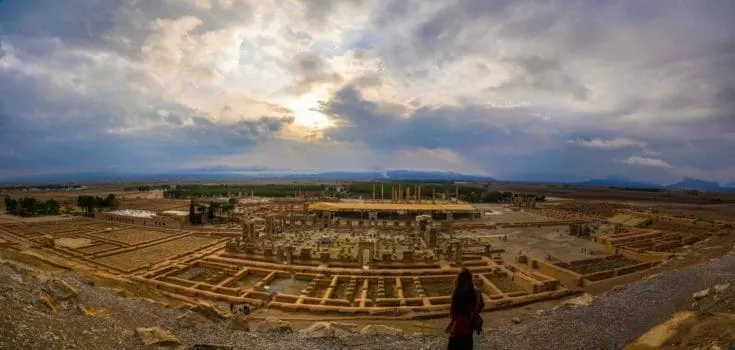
{"x":63,"y":310}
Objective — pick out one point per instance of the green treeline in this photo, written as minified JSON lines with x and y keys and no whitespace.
{"x":473,"y":193}
{"x":146,"y":188}
{"x":31,"y":206}
{"x":43,"y":187}
{"x":90,"y":203}
{"x":270,"y":190}
{"x":198,"y":211}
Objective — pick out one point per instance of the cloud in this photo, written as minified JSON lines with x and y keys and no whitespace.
{"x":309,"y":69}
{"x":611,"y":144}
{"x":515,"y":89}
{"x":646,"y":161}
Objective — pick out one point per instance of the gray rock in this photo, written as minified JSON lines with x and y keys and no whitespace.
{"x":720,"y":288}
{"x":209,"y":311}
{"x":379,"y":329}
{"x":239,"y":322}
{"x":701,"y":294}
{"x":272,"y":324}
{"x":516,"y":320}
{"x":191,"y":319}
{"x":157,"y":337}
{"x":211,"y":347}
{"x":59,"y":290}
{"x":318,"y":330}
{"x":583,"y":300}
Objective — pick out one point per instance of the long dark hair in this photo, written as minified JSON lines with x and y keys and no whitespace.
{"x":464,"y":295}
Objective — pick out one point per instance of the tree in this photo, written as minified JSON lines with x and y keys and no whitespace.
{"x":111,"y":202}
{"x":11,"y":205}
{"x":88,"y":203}
{"x":211,"y":211}
{"x":228,"y":208}
{"x":52,"y":207}
{"x":192,"y":213}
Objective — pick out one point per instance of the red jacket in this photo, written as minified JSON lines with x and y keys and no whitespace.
{"x":463,"y":325}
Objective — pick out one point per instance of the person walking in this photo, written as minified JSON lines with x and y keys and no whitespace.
{"x":464,"y":313}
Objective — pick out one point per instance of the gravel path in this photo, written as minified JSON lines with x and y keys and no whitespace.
{"x":609,"y":322}
{"x":616,"y":319}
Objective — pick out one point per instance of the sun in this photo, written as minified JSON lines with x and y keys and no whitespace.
{"x":306,"y":113}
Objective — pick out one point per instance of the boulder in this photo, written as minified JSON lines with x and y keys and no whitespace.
{"x":239,"y":322}
{"x":272,"y":324}
{"x":583,"y":300}
{"x":155,"y":336}
{"x":59,"y":290}
{"x":191,"y":319}
{"x":48,"y":302}
{"x":209,"y":311}
{"x":122,"y":293}
{"x":211,"y":347}
{"x":720,"y":288}
{"x":516,"y":320}
{"x":318,"y":330}
{"x":47,"y":241}
{"x":701,"y":294}
{"x":345,"y":326}
{"x":379,"y":329}
{"x":329,"y":329}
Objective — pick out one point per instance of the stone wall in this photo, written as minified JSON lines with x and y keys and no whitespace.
{"x":155,"y":221}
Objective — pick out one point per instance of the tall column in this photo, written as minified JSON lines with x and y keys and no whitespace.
{"x":382,"y":193}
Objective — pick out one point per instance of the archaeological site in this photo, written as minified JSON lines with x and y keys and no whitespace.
{"x":390,"y":258}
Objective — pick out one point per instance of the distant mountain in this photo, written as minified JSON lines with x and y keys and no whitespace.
{"x":404,"y":175}
{"x":222,"y":169}
{"x":434,"y":175}
{"x":699,"y":185}
{"x":617,"y":181}
{"x":235,"y":173}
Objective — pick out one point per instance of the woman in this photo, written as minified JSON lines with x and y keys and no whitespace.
{"x":465,"y":311}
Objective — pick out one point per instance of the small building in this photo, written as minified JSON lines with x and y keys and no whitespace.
{"x":143,"y":217}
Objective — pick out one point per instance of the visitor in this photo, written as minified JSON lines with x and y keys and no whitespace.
{"x":464,"y":313}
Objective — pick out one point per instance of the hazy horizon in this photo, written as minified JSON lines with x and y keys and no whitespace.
{"x":506,"y":89}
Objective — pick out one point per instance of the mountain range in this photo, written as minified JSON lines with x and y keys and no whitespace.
{"x":685,"y":184}
{"x":244,"y":173}
{"x":234,"y":173}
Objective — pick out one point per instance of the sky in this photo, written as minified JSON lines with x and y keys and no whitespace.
{"x":516,"y":90}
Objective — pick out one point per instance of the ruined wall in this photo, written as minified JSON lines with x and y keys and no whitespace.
{"x":156,"y":221}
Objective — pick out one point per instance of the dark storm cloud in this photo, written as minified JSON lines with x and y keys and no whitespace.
{"x":383,"y":127}
{"x":309,"y":68}
{"x":539,"y":73}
